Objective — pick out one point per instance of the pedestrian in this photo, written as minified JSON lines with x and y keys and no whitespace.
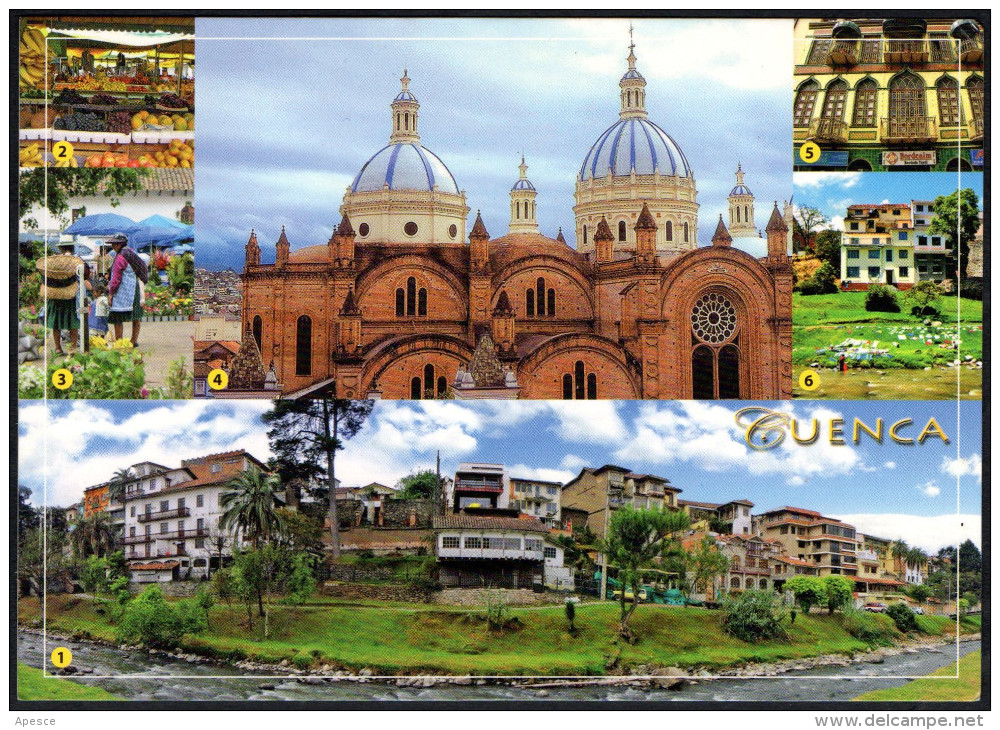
{"x":127,"y":270}
{"x":793,"y":614}
{"x":842,"y":363}
{"x":59,"y":291}
{"x":99,"y":308}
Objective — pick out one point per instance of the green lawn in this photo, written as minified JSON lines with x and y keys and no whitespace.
{"x":32,"y":684}
{"x":420,"y":638}
{"x":938,"y":686}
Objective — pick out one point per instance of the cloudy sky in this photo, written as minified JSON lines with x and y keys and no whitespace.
{"x":290,"y":110}
{"x":832,"y":192}
{"x":890,"y":490}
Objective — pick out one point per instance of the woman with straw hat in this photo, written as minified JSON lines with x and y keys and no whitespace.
{"x":59,"y":289}
{"x":127,"y":270}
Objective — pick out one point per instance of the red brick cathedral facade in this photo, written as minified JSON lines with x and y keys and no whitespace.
{"x":403,"y":307}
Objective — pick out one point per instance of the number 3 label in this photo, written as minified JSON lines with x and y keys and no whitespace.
{"x":62,"y":378}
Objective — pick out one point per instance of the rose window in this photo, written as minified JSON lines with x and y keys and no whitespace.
{"x":713,"y":318}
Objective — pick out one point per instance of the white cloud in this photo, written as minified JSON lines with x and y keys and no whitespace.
{"x":958,"y":467}
{"x":890,"y":465}
{"x":836,"y":223}
{"x":588,"y":421}
{"x":928,"y":533}
{"x":573,"y":462}
{"x":825,"y":179}
{"x":930,"y":489}
{"x":545,"y":474}
{"x":795,"y":481}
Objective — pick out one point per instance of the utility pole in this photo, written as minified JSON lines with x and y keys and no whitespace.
{"x":438,"y":507}
{"x":604,"y":555}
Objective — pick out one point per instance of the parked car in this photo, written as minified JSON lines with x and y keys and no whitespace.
{"x":919,"y":610}
{"x":630,"y":595}
{"x":875,"y":607}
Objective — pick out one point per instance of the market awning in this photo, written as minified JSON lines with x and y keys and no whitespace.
{"x":100,"y":224}
{"x":169,"y":24}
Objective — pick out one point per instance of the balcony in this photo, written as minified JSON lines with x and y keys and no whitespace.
{"x":843,"y":53}
{"x":908,"y":129}
{"x":138,"y":539}
{"x":828,"y":130}
{"x":867,"y":556}
{"x":970,"y":50}
{"x":183,"y":534}
{"x":164,"y":514}
{"x":169,"y":554}
{"x":909,"y":51}
{"x":478,"y":485}
{"x":976,"y":129}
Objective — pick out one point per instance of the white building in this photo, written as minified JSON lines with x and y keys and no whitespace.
{"x":479,"y":486}
{"x":172,"y":517}
{"x":538,"y":498}
{"x":930,"y":250}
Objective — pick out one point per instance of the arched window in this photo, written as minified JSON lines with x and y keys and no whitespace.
{"x":746,"y":213}
{"x":400,"y":302}
{"x":947,"y":98}
{"x":406,"y":119}
{"x":836,"y":97}
{"x":975,"y":87}
{"x":737,"y":214}
{"x":670,"y":231}
{"x":763,"y":584}
{"x":715,"y":359}
{"x":415,"y":388}
{"x":529,"y":302}
{"x":567,"y":387}
{"x":578,"y":380}
{"x":734,"y":583}
{"x":518,"y":204}
{"x":805,"y":100}
{"x":957,"y":163}
{"x":729,"y":372}
{"x":585,"y":234}
{"x":411,"y":297}
{"x":621,"y":230}
{"x":429,"y":380}
{"x":592,"y":387}
{"x":687,"y":233}
{"x":551,"y":304}
{"x":442,"y":386}
{"x":579,"y":384}
{"x":865,"y":103}
{"x":422,"y":302}
{"x":540,"y":295}
{"x":303,"y":346}
{"x":258,"y":332}
{"x":907,"y":106}
{"x":860,"y":165}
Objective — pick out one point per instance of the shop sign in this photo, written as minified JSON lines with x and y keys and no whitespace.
{"x":976,"y":157}
{"x":909,"y":157}
{"x":827,"y":158}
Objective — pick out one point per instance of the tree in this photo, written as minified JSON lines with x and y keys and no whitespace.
{"x":922,"y":294}
{"x":828,"y":248}
{"x":809,"y":220}
{"x":94,"y":535}
{"x":957,"y":222}
{"x":27,"y":516}
{"x":250,"y":507}
{"x":575,"y":553}
{"x":823,"y":281}
{"x":838,"y":592}
{"x":809,"y":590}
{"x":305,"y":433}
{"x":635,"y":539}
{"x":302,"y":533}
{"x":118,"y":486}
{"x":706,"y":563}
{"x":419,"y":485}
{"x":899,"y":549}
{"x":39,"y":556}
{"x":53,"y":189}
{"x":919,"y":592}
{"x":969,"y":557}
{"x":571,"y":616}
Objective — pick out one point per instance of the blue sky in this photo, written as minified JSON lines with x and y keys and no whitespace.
{"x":888,"y":489}
{"x":832,"y":192}
{"x":285,"y":125}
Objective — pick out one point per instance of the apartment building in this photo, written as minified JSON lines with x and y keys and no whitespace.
{"x":877,"y":247}
{"x":732,"y":517}
{"x":479,"y":486}
{"x":889,"y":94}
{"x":826,"y":542}
{"x":538,"y":498}
{"x":593,"y":493}
{"x":172,"y":516}
{"x":930,"y":250}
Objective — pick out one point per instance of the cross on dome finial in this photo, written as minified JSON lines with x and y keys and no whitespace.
{"x":631,"y":49}
{"x":523,"y":168}
{"x":405,"y":81}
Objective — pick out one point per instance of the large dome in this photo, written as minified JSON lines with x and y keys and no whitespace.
{"x":404,"y":166}
{"x":634,"y":143}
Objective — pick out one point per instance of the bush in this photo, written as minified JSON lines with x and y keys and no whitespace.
{"x":823,"y":281}
{"x":222,"y":585}
{"x":881,"y":298}
{"x":753,"y":616}
{"x":808,"y":590}
{"x":903,"y":617}
{"x":872,"y":628}
{"x":151,"y":620}
{"x":113,"y":374}
{"x":838,"y":592}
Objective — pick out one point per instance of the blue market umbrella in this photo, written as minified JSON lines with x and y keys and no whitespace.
{"x":161,"y":221}
{"x":100,"y":224}
{"x":141,"y":237}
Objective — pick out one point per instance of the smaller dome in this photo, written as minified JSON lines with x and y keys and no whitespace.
{"x":632,"y":74}
{"x":523,"y":185}
{"x":740,"y":190}
{"x":405,"y":96}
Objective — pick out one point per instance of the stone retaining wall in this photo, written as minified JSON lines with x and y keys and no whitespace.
{"x":478,"y":596}
{"x":369,"y":591}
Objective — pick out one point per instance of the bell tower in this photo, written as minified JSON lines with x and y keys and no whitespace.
{"x":522,"y":203}
{"x":741,"y":222}
{"x":404,"y":114}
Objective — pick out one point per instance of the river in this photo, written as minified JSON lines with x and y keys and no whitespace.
{"x":162,"y":678}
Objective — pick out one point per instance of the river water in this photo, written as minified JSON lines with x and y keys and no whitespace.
{"x":162,"y":678}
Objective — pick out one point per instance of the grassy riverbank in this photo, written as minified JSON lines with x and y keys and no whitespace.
{"x":961,"y":682}
{"x":414,"y":638}
{"x":32,"y":684}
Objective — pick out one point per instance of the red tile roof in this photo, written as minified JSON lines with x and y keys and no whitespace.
{"x":792,"y":561}
{"x":155,"y":566}
{"x":522,"y":524}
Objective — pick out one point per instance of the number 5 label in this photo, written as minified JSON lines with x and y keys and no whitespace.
{"x":809,"y":152}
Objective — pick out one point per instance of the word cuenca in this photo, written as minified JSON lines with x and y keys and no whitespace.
{"x":766,"y":429}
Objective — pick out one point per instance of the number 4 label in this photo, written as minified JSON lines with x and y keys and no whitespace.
{"x":218,"y":379}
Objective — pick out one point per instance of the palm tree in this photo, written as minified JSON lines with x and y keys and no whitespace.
{"x":916,"y":557}
{"x":94,"y":535}
{"x":250,"y":507}
{"x":119,"y":482}
{"x":899,"y":549}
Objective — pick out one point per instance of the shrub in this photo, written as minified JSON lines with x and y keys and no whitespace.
{"x":838,"y":592}
{"x":823,"y":281}
{"x":300,"y":584}
{"x":872,"y":628}
{"x":151,"y":620}
{"x":302,"y":661}
{"x":497,"y":610}
{"x":222,"y":585}
{"x":94,"y":575}
{"x":903,"y":617}
{"x":753,"y":616}
{"x":808,"y":590}
{"x":881,"y":298}
{"x":114,"y":374}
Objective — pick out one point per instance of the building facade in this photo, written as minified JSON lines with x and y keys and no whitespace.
{"x":538,"y":498}
{"x":877,"y":247}
{"x":829,"y":544}
{"x":589,"y":498}
{"x":395,"y":304}
{"x":895,"y":94}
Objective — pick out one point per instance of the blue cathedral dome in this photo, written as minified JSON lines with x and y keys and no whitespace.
{"x":523,"y":185}
{"x":740,"y":190}
{"x":634,"y":143}
{"x":404,"y":166}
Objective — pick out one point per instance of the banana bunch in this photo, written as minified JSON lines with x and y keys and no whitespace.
{"x":32,"y":50}
{"x":31,"y":156}
{"x":68,"y":161}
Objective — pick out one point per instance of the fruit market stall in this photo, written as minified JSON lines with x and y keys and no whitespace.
{"x":119,"y":91}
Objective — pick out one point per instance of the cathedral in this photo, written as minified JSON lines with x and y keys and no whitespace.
{"x":402,"y":302}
